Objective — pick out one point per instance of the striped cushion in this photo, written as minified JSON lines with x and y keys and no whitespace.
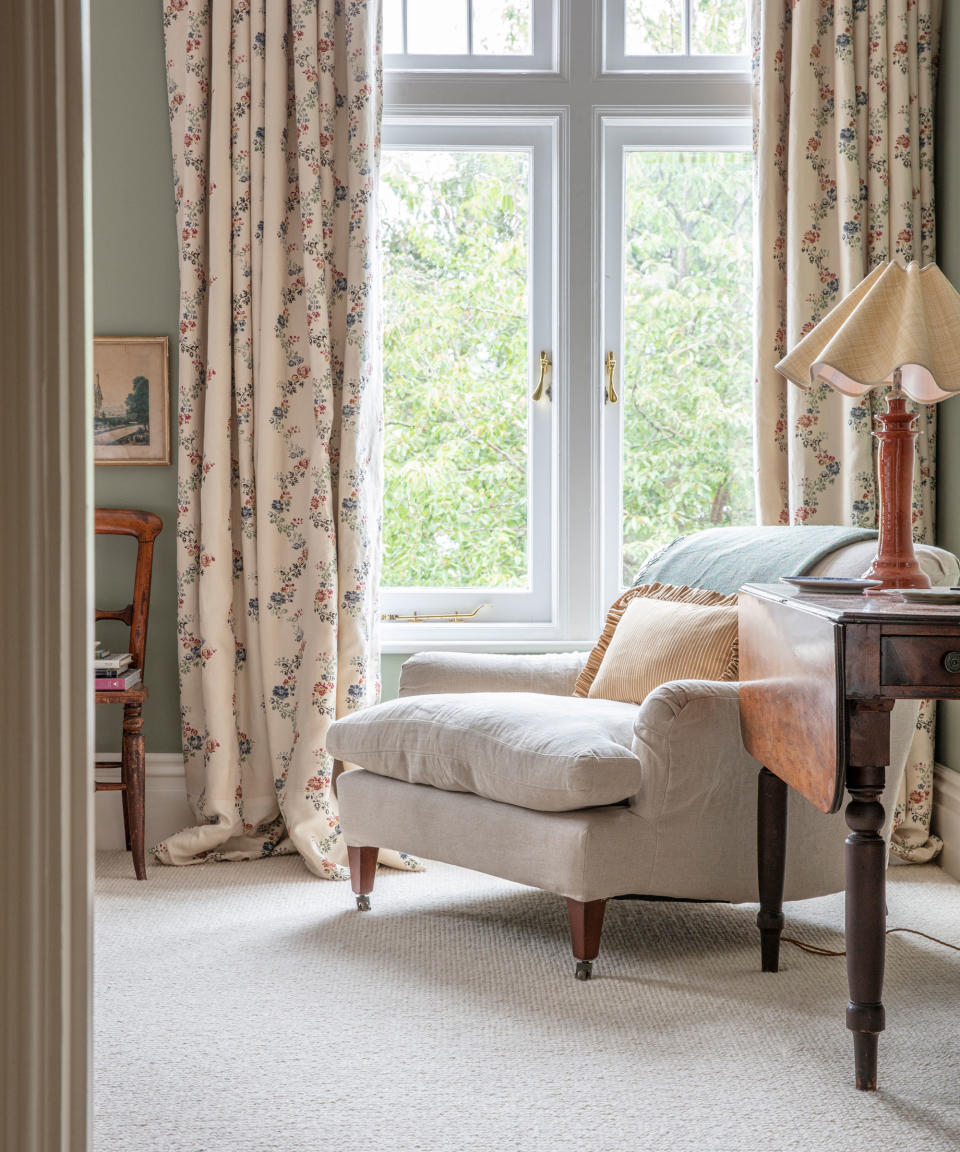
{"x":658,"y":633}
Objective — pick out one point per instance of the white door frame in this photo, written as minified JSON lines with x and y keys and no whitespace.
{"x":45,"y":582}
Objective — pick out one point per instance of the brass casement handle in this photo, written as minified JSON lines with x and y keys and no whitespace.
{"x":610,"y":364}
{"x":545,"y":364}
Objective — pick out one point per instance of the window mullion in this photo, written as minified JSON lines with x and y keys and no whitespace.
{"x":469,"y":27}
{"x":687,"y":17}
{"x":404,"y":19}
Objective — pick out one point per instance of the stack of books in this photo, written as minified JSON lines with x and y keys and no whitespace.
{"x":112,"y":671}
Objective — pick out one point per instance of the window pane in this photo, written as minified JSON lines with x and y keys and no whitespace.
{"x":501,"y":28}
{"x":456,"y":238}
{"x":393,"y":26}
{"x":719,"y":27}
{"x":687,"y":319}
{"x":437,"y":26}
{"x":654,"y":27}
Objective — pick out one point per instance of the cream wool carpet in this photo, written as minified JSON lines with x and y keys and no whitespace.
{"x":251,"y":1008}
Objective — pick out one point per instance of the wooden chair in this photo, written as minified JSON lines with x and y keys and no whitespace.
{"x":145,"y":527}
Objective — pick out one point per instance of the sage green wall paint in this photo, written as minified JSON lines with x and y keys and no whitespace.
{"x":948,"y":257}
{"x":135,"y":293}
{"x":390,"y":675}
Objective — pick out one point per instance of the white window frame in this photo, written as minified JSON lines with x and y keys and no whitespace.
{"x":530,"y":612}
{"x":577,"y":101}
{"x":616,"y":59}
{"x":543,"y":59}
{"x":620,"y":135}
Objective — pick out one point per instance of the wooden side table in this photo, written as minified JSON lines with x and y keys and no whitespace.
{"x":819,"y":678}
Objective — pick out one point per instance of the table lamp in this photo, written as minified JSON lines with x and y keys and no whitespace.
{"x":899,"y":326}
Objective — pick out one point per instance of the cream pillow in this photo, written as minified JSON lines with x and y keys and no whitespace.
{"x":657,"y":633}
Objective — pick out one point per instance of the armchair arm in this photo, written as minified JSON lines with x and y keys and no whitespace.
{"x":552,"y":673}
{"x":700,"y":793}
{"x":700,"y":790}
{"x":687,"y":733}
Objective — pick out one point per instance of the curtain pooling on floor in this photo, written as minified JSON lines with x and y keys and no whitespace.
{"x":275,"y":126}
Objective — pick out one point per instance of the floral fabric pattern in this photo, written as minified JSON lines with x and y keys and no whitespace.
{"x":275,"y":124}
{"x":844,"y":98}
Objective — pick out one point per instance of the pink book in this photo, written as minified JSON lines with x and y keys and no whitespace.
{"x":117,"y":683}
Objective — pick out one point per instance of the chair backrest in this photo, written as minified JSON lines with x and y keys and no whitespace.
{"x":144,"y":527}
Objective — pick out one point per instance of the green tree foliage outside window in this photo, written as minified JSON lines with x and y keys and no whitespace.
{"x":456,"y":303}
{"x":655,"y":27}
{"x":456,"y":237}
{"x":687,"y":322}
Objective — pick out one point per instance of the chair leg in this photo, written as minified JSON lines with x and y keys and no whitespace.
{"x":586,"y":925}
{"x":771,"y":864}
{"x":132,"y":769}
{"x":363,"y":871}
{"x":125,"y":803}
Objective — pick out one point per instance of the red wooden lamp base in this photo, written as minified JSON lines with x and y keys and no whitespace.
{"x":895,"y":562}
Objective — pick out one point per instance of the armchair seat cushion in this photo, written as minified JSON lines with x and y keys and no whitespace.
{"x":547,"y":753}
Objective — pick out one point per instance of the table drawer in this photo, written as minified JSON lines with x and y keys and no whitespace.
{"x":924,"y":661}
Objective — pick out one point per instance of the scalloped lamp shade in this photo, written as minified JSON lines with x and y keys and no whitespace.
{"x":897,"y":317}
{"x":899,"y":326}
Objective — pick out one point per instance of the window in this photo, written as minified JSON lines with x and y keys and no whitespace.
{"x":535,"y":226}
{"x":678,"y":275}
{"x":469,"y":248}
{"x":469,"y":35}
{"x":675,"y":35}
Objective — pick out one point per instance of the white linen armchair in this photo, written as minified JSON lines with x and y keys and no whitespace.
{"x":470,"y":766}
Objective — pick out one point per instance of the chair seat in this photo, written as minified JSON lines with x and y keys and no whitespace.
{"x":547,"y":753}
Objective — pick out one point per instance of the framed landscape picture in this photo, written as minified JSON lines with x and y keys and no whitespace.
{"x":131,"y":400}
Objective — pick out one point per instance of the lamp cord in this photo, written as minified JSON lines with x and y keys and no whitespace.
{"x":818,"y":951}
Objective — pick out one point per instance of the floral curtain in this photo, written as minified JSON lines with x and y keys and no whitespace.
{"x":843,"y":118}
{"x":275,"y":124}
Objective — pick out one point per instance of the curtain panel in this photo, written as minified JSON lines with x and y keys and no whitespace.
{"x":843,"y":119}
{"x":275,"y":110}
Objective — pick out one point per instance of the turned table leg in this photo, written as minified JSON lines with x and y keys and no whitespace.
{"x":865,"y":918}
{"x":771,"y":863}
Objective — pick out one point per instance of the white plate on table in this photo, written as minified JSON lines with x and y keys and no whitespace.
{"x":831,"y":584}
{"x":930,"y":595}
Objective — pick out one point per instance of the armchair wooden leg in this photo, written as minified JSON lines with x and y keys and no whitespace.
{"x":771,"y":864}
{"x":586,"y":925}
{"x":132,"y":772}
{"x":363,"y":871}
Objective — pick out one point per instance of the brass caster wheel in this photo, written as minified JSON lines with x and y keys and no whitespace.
{"x":584,"y":969}
{"x":363,"y":903}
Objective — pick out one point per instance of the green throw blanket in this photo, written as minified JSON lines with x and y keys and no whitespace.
{"x":723,"y":559}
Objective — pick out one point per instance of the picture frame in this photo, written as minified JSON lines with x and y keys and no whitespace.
{"x":131,"y":400}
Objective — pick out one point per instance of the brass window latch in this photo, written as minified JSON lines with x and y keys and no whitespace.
{"x":545,"y":365}
{"x":446,"y":617}
{"x":610,"y":365}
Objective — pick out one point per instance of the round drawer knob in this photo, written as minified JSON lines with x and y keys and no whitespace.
{"x":952,"y":661}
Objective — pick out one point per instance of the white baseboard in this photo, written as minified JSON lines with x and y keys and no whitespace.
{"x":946,"y":817}
{"x":166,"y":805}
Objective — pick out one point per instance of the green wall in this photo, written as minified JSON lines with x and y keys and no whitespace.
{"x":948,"y":257}
{"x":135,"y":293}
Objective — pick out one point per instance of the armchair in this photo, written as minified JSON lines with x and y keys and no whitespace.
{"x":447,"y":774}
